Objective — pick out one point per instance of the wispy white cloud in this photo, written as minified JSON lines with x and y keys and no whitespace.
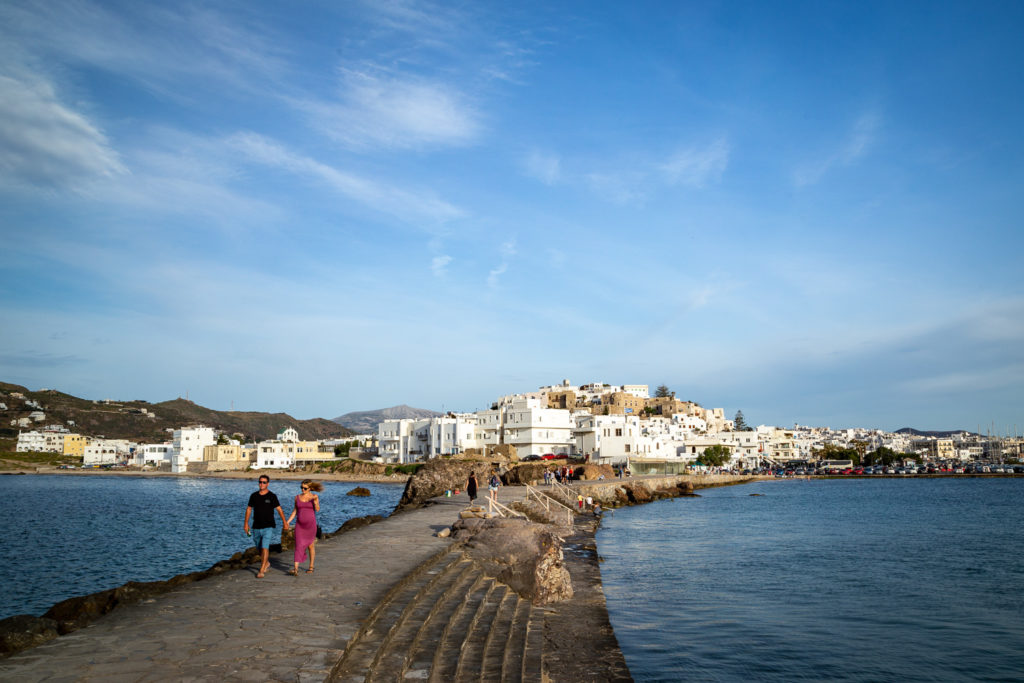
{"x":620,"y":187}
{"x":508,"y":248}
{"x":634,"y":181}
{"x":152,"y":44}
{"x":697,"y":166}
{"x":854,"y":147}
{"x":44,"y":142}
{"x":378,"y":196}
{"x":492,"y":277}
{"x":439,"y":265}
{"x":544,"y":167}
{"x":394,"y":110}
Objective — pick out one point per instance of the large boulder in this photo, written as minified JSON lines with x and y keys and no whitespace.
{"x":525,"y":556}
{"x":23,"y":631}
{"x":440,"y":475}
{"x":359,"y":491}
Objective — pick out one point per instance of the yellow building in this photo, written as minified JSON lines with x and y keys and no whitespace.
{"x":74,"y":445}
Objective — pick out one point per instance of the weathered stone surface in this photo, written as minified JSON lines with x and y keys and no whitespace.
{"x":524,"y":555}
{"x":24,"y":631}
{"x":356,"y":523}
{"x":440,"y":475}
{"x":359,"y":491}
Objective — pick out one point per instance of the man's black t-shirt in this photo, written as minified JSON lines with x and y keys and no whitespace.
{"x":263,"y":508}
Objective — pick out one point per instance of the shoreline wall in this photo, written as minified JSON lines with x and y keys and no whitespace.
{"x":631,"y":491}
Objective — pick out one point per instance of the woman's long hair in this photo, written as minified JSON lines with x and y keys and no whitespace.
{"x":313,"y":485}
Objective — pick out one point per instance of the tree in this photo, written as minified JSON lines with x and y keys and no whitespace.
{"x":832,"y":452}
{"x":662,"y":391}
{"x":739,"y":424}
{"x":715,"y":456}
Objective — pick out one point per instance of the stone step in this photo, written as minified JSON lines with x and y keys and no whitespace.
{"x":498,"y":635}
{"x":471,"y":652}
{"x":512,"y":662}
{"x":364,"y":645}
{"x":389,"y":662}
{"x":533,"y":647}
{"x":446,"y":658}
{"x":418,"y":657}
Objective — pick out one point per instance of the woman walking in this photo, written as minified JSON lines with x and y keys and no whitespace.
{"x":471,"y":487}
{"x":493,"y":485}
{"x":307,"y":504}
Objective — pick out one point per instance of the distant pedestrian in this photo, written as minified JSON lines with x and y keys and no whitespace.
{"x":493,"y":485}
{"x":307,"y":505}
{"x":471,"y":487}
{"x":261,"y":508}
{"x":590,"y":502}
{"x":597,"y":510}
{"x":579,"y":502}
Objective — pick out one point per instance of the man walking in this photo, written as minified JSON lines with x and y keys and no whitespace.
{"x":262,"y":506}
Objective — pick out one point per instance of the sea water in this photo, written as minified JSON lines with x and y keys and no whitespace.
{"x":837,"y":580}
{"x":73,"y":535}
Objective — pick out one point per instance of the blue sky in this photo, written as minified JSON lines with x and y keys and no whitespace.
{"x":808,"y":211}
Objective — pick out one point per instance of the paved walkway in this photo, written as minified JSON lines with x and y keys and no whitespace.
{"x":234,"y":627}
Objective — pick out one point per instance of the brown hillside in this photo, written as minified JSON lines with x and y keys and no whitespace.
{"x":125,"y":419}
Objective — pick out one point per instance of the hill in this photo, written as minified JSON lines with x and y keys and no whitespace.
{"x":937,"y":434}
{"x":144,"y":421}
{"x":366,"y":421}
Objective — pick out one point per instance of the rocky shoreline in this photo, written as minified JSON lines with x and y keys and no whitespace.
{"x":547,"y":567}
{"x":25,"y":631}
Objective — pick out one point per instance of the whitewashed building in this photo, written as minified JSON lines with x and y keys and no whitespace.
{"x":153,"y":454}
{"x":189,"y":443}
{"x":106,"y":452}
{"x":40,"y":442}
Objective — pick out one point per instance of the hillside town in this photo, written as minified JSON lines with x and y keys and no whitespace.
{"x":620,"y":425}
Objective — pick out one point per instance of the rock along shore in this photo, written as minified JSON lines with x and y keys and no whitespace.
{"x":229,"y":626}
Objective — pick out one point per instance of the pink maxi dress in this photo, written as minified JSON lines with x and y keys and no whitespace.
{"x":305,"y":527}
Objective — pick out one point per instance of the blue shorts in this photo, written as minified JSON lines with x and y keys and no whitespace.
{"x":262,"y":538}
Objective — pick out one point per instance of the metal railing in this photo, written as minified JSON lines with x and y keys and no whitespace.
{"x":566,"y":491}
{"x":550,"y":504}
{"x":496,"y":508}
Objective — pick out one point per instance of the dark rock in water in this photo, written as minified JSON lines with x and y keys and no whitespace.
{"x":23,"y":631}
{"x":756,"y":494}
{"x":358,"y":491}
{"x":524,"y":555}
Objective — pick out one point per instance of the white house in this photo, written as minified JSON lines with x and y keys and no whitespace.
{"x":49,"y":441}
{"x":189,"y":443}
{"x":106,"y":452}
{"x":531,"y":428}
{"x":154,"y":454}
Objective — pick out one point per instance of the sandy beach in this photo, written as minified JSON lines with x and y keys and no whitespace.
{"x":397,"y":478}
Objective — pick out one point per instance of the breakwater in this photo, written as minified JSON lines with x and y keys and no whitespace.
{"x":231,"y":622}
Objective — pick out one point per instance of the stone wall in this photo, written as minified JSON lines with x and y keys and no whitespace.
{"x":620,"y":492}
{"x":217,"y":466}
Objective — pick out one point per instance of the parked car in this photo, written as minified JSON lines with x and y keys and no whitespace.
{"x":531,"y":457}
{"x":551,"y":456}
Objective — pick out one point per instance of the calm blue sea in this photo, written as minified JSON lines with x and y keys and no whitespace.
{"x":74,"y":535}
{"x":837,"y":580}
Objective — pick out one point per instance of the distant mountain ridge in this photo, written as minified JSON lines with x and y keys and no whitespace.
{"x":937,"y":434}
{"x":126,"y":419}
{"x":367,"y":421}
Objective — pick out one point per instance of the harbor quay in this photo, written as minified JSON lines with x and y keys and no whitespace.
{"x":391,"y":600}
